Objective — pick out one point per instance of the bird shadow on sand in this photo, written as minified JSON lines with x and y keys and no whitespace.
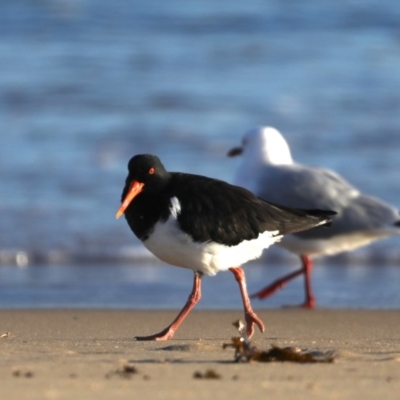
{"x":187,"y":353}
{"x":203,"y":353}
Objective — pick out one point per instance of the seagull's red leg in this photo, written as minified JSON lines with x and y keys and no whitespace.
{"x":169,"y":331}
{"x":307,"y":268}
{"x":280,"y":283}
{"x":249,"y":315}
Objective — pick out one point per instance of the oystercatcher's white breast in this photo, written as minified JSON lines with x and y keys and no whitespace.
{"x":169,"y":243}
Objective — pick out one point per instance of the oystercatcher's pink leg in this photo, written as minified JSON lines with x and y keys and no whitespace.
{"x":169,"y":331}
{"x":280,"y":283}
{"x":249,"y":315}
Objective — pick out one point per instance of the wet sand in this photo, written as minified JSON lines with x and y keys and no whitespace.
{"x":91,"y":354}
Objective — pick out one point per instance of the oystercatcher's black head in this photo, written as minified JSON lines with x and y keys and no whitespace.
{"x":146,"y":173}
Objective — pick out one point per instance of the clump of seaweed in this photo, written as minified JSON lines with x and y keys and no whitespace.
{"x":247,"y":352}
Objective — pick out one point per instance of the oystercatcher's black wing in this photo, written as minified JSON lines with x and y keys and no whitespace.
{"x":213,"y":210}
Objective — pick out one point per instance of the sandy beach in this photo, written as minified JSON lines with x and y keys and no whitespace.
{"x":91,"y":354}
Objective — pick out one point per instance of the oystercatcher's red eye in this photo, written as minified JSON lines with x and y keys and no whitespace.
{"x":151,"y":171}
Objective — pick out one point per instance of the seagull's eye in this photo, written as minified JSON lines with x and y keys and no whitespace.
{"x":151,"y":171}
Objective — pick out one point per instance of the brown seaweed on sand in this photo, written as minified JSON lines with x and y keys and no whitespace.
{"x":246,"y":351}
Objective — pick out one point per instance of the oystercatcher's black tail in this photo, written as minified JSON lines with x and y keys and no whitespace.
{"x":292,"y":220}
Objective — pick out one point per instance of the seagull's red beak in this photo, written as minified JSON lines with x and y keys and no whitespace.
{"x":134,"y":190}
{"x":236,"y":151}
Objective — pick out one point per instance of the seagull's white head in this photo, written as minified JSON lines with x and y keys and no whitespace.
{"x":266,"y":145}
{"x":261,"y":146}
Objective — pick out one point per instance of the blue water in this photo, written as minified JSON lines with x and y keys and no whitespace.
{"x":160,"y":286}
{"x":86,"y":84}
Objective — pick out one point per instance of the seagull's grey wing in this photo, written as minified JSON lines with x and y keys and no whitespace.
{"x":307,"y":187}
{"x":365,"y":215}
{"x":304,"y":187}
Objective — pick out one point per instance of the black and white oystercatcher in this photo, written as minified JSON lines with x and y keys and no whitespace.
{"x":204,"y":224}
{"x":267,"y":169}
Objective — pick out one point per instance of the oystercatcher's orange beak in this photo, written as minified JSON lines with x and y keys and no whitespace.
{"x":236,"y":151}
{"x":134,"y":190}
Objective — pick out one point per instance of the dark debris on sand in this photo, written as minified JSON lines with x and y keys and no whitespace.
{"x":209,"y":374}
{"x":126,"y":370}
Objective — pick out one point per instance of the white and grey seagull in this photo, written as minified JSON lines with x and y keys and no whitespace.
{"x":268,"y":170}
